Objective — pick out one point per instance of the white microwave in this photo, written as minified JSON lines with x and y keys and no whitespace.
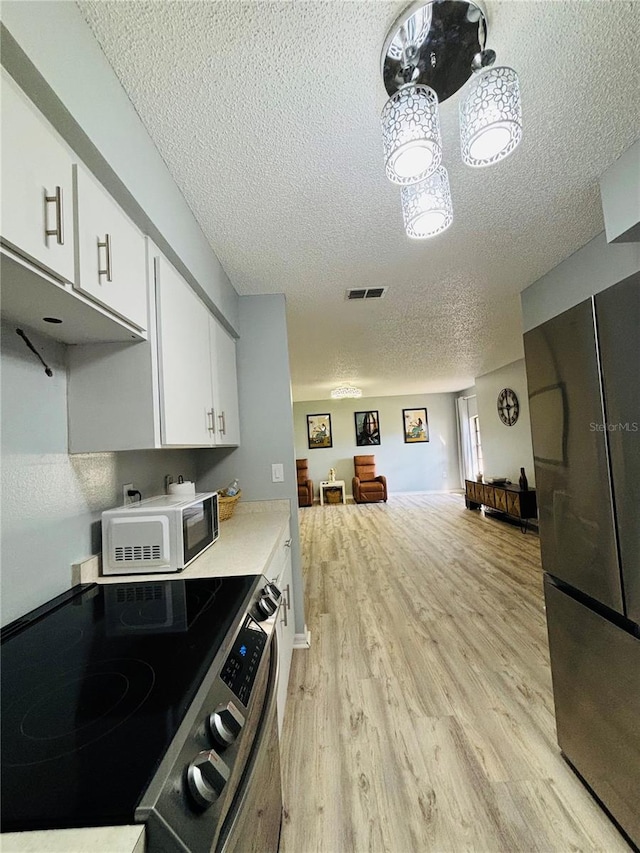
{"x":160,"y":534}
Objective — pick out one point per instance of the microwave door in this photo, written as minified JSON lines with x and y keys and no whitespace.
{"x":197,"y":529}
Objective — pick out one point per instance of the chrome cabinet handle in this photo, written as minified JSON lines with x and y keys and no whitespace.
{"x":58,"y":231}
{"x":223,"y":424}
{"x":287,"y":606}
{"x":287,"y":544}
{"x":210,"y":421}
{"x":106,"y":245}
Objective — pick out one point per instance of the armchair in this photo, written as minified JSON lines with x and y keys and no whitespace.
{"x":305,"y":485}
{"x":367,"y":487}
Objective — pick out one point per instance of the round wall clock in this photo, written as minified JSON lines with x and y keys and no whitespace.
{"x":508,"y":406}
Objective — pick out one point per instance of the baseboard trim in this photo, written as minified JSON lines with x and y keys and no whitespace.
{"x":302,"y":641}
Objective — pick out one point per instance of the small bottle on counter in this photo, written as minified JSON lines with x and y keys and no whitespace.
{"x":524,"y":483}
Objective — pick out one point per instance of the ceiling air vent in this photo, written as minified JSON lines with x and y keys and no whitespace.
{"x":366,"y":293}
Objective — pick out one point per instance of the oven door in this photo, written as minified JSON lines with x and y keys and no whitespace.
{"x":253,"y":822}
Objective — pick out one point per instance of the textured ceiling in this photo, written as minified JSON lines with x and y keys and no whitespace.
{"x":267,"y":115}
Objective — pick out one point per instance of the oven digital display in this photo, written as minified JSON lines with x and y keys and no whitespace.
{"x":239,"y":671}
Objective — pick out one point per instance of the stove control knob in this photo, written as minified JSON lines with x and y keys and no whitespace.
{"x":225,"y":724}
{"x":206,"y":777}
{"x":265,"y":607}
{"x":272,"y":590}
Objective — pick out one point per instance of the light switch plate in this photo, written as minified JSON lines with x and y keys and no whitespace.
{"x":277,"y":472}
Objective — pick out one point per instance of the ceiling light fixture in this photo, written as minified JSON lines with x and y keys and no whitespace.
{"x":344,"y":391}
{"x":429,"y":54}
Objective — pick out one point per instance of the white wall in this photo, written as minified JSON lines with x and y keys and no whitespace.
{"x":266,"y":424}
{"x":51,"y":501}
{"x":593,"y":268}
{"x":430,"y":466}
{"x":505,"y":449}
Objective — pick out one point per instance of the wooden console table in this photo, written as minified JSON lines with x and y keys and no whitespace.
{"x":508,"y":498}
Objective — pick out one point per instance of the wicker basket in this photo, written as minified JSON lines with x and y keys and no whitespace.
{"x":226,"y":505}
{"x":333,"y":495}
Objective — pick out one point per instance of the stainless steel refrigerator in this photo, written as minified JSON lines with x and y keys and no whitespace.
{"x":583,"y":370}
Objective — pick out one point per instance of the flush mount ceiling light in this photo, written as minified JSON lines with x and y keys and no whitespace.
{"x":344,"y":391}
{"x":429,"y":54}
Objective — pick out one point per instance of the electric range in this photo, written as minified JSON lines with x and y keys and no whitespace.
{"x":139,"y":701}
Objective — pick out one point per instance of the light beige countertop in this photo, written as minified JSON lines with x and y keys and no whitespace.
{"x":245,"y":546}
{"x":96,"y":839}
{"x":247,"y":542}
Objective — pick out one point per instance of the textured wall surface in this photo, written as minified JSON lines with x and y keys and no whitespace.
{"x":51,"y":501}
{"x":505,"y":449}
{"x":428,"y":466}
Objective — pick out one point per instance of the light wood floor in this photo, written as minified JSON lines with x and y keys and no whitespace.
{"x":421,"y":718}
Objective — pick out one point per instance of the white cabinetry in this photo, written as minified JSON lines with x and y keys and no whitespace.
{"x":225,"y":384}
{"x":41,"y":241}
{"x":37,"y":185}
{"x":280,"y":571}
{"x":197,"y":358}
{"x":161,"y":393}
{"x":111,"y":263}
{"x":186,"y":403}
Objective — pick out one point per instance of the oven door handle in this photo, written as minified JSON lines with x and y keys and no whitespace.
{"x":265,"y":731}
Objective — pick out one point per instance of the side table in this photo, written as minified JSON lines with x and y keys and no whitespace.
{"x":337,"y":484}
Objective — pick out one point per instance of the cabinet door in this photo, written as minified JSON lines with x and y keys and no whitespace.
{"x":286,"y":633}
{"x":37,"y":188}
{"x":111,"y":265}
{"x":186,"y":417}
{"x":225,"y":385}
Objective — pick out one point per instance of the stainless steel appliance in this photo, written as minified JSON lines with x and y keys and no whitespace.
{"x":160,"y":534}
{"x":583,"y":370}
{"x":147,"y":702}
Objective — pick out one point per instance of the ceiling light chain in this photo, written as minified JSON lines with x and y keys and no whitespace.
{"x":429,"y":54}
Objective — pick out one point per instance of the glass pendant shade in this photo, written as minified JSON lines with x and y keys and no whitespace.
{"x":491,"y":117}
{"x":411,"y":134}
{"x":426,"y":206}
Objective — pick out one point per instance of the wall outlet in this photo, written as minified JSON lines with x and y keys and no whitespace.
{"x":277,"y":472}
{"x":126,"y":500}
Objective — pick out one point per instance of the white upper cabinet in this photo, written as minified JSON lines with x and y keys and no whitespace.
{"x":186,"y":404}
{"x":225,"y":385}
{"x":161,"y":392}
{"x":110,"y":252}
{"x":37,"y":187}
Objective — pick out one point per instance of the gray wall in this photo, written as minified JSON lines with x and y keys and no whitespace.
{"x":266,"y":423}
{"x":593,"y":268}
{"x":51,"y":501}
{"x":423,"y":467}
{"x":505,"y":449}
{"x":51,"y":52}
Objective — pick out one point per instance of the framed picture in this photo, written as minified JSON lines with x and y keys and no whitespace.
{"x":367,"y":428}
{"x":416,"y":429}
{"x":319,"y":431}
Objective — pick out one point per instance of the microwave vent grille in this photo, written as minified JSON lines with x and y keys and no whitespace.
{"x":139,"y":592}
{"x":137,"y":553}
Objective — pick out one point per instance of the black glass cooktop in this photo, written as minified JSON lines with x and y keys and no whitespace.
{"x":94,"y":687}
